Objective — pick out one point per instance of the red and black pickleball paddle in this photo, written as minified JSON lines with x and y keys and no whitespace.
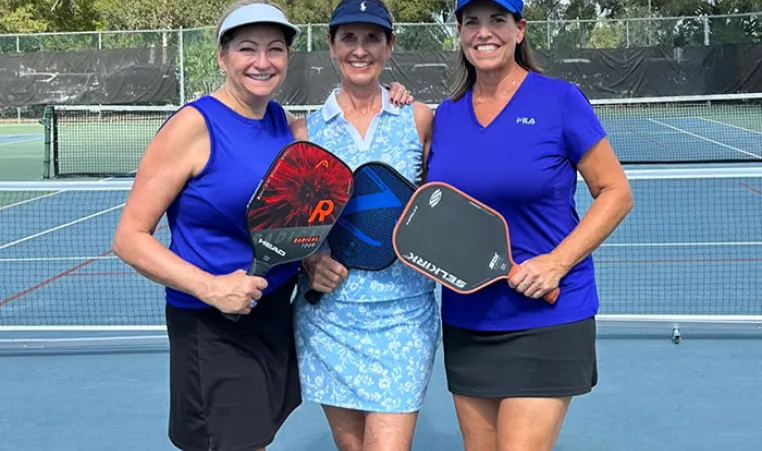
{"x":295,"y":206}
{"x":455,"y":240}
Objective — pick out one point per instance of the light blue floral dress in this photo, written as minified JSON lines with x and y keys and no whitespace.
{"x":370,"y":344}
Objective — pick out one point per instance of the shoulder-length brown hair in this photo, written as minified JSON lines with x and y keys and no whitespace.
{"x":464,"y":76}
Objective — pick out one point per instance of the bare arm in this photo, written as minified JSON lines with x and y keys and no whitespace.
{"x":612,"y":196}
{"x":178,"y":152}
{"x":298,"y":126}
{"x":424,"y":121}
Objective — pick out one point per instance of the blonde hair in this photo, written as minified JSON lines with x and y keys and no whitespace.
{"x":465,"y":73}
{"x":234,"y":6}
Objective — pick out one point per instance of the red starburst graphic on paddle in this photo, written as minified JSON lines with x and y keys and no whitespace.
{"x":307,"y":187}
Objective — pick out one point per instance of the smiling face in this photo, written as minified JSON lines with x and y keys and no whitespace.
{"x":489,"y":35}
{"x":361,"y":52}
{"x":255,"y":60}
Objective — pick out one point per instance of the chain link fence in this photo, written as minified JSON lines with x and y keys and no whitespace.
{"x":198,"y":72}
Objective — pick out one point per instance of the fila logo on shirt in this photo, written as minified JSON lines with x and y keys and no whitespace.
{"x":525,"y":120}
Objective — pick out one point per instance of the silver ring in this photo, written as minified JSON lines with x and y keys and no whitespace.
{"x":253,"y":304}
{"x":523,"y":285}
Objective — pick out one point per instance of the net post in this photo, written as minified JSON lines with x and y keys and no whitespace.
{"x":47,"y":118}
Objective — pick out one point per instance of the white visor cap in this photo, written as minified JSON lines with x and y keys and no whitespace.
{"x":255,"y":14}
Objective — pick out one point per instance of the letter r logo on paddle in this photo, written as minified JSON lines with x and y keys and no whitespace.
{"x":323,"y":209}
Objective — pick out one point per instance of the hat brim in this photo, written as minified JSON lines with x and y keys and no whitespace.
{"x":258,"y":14}
{"x":502,"y":3}
{"x":364,"y":19}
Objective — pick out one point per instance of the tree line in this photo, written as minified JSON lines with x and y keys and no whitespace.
{"x":34,"y":16}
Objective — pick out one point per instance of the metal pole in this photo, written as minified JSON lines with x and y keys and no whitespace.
{"x":182,"y":67}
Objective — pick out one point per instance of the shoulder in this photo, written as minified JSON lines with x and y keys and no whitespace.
{"x":298,"y":127}
{"x":314,"y":121}
{"x":558,"y":89}
{"x":187,"y":124}
{"x":546,"y":82}
{"x":450,"y":107}
{"x":278,"y":111}
{"x":423,"y":115}
{"x":448,"y":104}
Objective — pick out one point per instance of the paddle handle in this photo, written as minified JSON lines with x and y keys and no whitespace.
{"x":313,"y":297}
{"x":257,"y":268}
{"x":549,"y":297}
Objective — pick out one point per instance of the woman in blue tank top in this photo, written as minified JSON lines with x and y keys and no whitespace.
{"x":366,"y":350}
{"x":515,"y":139}
{"x":231,"y":384}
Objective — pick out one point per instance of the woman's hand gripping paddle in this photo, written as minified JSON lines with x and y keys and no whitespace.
{"x":295,"y":205}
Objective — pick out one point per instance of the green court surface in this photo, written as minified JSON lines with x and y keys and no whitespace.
{"x":22,"y":148}
{"x":105,"y":148}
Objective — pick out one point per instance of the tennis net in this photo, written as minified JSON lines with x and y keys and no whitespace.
{"x":109,"y":141}
{"x":690,"y":251}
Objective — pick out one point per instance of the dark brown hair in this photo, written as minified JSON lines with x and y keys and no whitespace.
{"x":465,"y":73}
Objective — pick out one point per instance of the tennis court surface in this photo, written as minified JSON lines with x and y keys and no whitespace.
{"x":690,"y":254}
{"x":83,"y":360}
{"x":21,"y":151}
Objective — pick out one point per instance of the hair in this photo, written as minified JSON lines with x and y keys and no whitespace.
{"x":229,"y":35}
{"x":465,"y":72}
{"x":332,"y":30}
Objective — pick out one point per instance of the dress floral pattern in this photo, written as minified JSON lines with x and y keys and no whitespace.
{"x":370,"y":344}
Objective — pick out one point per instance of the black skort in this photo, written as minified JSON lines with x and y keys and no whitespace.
{"x":556,"y":361}
{"x":232,"y":384}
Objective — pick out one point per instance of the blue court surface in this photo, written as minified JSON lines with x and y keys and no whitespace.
{"x":690,"y":133}
{"x":691,"y":246}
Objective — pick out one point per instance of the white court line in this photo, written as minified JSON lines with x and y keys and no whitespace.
{"x":18,"y":141}
{"x":748,"y":130}
{"x":28,"y":200}
{"x":53,"y":259}
{"x":706,"y":139}
{"x":62,"y":226}
{"x":688,"y":244}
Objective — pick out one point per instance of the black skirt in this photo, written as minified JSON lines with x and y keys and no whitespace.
{"x":232,"y":384}
{"x":555,"y":361}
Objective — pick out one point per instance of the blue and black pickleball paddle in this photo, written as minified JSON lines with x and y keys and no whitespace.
{"x":362,"y":237}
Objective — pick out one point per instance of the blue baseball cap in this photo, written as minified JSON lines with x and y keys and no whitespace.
{"x":361,"y":11}
{"x":513,"y":6}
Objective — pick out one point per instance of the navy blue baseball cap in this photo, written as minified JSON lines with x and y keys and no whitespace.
{"x":361,"y":11}
{"x":513,"y":6}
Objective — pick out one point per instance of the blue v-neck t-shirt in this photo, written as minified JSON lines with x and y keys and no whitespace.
{"x":523,"y":165}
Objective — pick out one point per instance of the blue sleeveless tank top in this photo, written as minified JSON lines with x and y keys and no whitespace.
{"x":207,"y":218}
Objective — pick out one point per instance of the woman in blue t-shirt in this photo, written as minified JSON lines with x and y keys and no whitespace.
{"x":515,"y":140}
